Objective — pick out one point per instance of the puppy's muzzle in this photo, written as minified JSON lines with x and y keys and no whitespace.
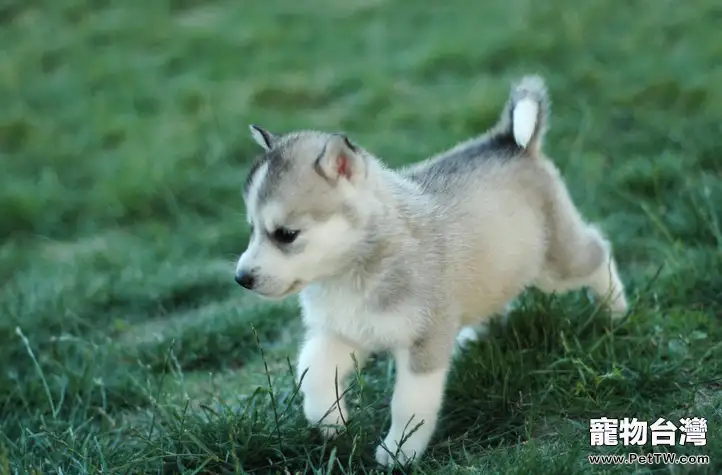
{"x":245,"y":279}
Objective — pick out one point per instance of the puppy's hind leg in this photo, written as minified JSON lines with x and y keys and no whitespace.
{"x":593,"y":266}
{"x":605,"y":280}
{"x":579,"y":256}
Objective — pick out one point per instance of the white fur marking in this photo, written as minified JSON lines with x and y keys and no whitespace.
{"x":466,"y":335}
{"x":260,"y":175}
{"x":525,"y":116}
{"x":258,"y":137}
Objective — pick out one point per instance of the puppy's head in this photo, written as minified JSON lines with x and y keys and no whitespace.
{"x":305,"y":201}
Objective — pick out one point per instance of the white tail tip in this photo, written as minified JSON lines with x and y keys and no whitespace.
{"x":525,"y":116}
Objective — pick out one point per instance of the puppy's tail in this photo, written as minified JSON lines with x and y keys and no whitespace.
{"x":526,"y":113}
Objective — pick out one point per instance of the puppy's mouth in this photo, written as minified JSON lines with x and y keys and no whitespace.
{"x":295,"y":287}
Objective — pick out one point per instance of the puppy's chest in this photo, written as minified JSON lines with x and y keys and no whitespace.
{"x":351,"y":317}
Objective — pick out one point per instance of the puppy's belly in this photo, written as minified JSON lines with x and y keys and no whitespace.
{"x":489,"y":293}
{"x":480,"y":308}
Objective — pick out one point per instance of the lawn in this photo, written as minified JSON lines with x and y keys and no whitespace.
{"x":127,"y":348}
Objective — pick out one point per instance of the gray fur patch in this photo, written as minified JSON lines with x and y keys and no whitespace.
{"x":499,"y":146}
{"x":393,"y":288}
{"x":278,"y":164}
{"x":260,"y":160}
{"x":350,"y":214}
{"x":429,"y":353}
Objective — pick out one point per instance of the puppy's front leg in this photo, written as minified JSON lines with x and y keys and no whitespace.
{"x":327,"y":361}
{"x":420,"y":380}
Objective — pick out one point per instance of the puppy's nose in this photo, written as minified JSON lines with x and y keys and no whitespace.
{"x":245,"y":279}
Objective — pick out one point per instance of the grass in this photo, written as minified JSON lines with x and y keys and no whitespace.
{"x":125,"y":345}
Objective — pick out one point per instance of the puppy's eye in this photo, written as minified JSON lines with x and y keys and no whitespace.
{"x":285,"y":235}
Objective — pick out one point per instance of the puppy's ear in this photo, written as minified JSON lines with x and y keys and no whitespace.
{"x":340,"y":159}
{"x":263,"y":137}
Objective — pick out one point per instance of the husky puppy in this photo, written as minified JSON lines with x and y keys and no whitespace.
{"x":406,"y":260}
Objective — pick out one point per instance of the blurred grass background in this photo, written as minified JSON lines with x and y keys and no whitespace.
{"x":125,"y":345}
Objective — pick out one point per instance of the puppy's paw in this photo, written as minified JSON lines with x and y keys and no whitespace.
{"x":618,"y":307}
{"x":330,"y":431}
{"x":333,"y":424}
{"x":329,"y":422}
{"x":389,"y":454}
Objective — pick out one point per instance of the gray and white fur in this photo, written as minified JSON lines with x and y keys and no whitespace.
{"x":408,"y":260}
